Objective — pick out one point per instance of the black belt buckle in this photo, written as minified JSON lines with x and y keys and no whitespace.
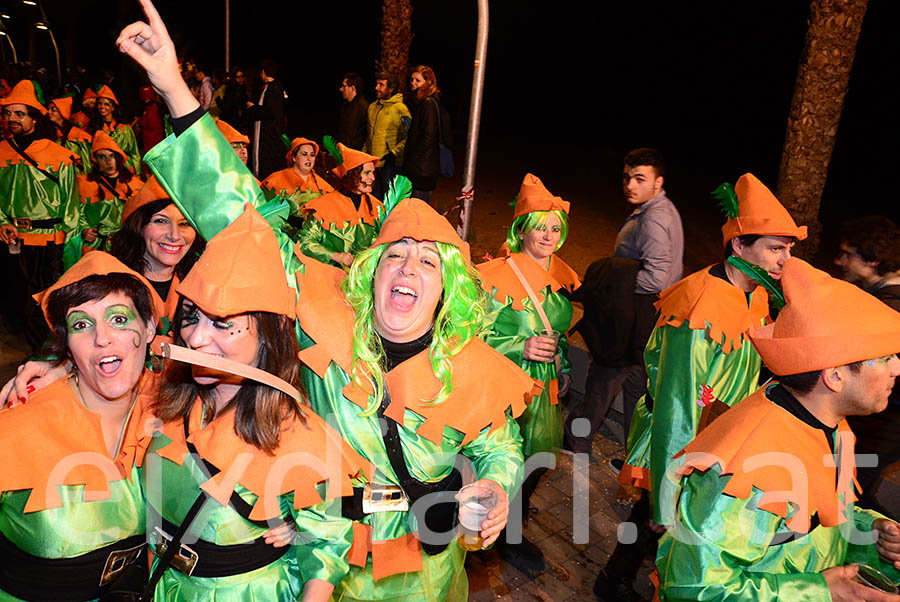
{"x":184,"y":560}
{"x":117,"y":561}
{"x":22,"y":223}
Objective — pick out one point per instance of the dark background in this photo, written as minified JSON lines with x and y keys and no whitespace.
{"x":570,"y":86}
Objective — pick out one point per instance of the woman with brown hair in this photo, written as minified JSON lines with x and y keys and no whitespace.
{"x":422,"y":160}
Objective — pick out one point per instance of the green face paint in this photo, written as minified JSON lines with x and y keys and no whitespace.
{"x":122,"y":317}
{"x":78,"y":321}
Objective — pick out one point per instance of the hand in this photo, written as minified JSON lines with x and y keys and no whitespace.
{"x":564,"y":382}
{"x":31,"y":377}
{"x":540,"y":349}
{"x":282,"y":535}
{"x":844,"y":589}
{"x":8,"y":233}
{"x":496,"y":519}
{"x":151,"y":47}
{"x":656,"y":527}
{"x":344,"y":259}
{"x":90,"y":234}
{"x":888,"y":542}
{"x":317,"y":590}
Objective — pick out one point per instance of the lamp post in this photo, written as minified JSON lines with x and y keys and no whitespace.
{"x":5,"y":34}
{"x":44,"y":24}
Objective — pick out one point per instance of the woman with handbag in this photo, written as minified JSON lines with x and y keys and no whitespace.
{"x":422,"y":159}
{"x":528,"y":320}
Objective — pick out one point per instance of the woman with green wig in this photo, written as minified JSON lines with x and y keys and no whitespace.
{"x":399,"y":349}
{"x":528,"y":318}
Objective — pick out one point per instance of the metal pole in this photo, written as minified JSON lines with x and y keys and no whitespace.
{"x":468,"y":189}
{"x":227,"y":36}
{"x":9,"y":39}
{"x":53,"y":40}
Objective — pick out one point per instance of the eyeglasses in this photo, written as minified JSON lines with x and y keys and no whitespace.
{"x":6,"y":114}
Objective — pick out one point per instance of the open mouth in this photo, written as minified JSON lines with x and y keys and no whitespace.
{"x":403,"y":297}
{"x":109,"y":365}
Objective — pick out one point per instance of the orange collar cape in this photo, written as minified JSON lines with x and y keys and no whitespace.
{"x":93,"y":192}
{"x":240,"y":271}
{"x":23,"y":93}
{"x":289,"y":181}
{"x":351,"y":159}
{"x":63,"y":105}
{"x":296,"y":466}
{"x":96,"y":263}
{"x":297,"y":143}
{"x":759,"y":212}
{"x":752,"y":431}
{"x":149,"y":192}
{"x":825,"y":323}
{"x":76,"y":134}
{"x":43,"y":435}
{"x":708,"y":302}
{"x":232,"y":136}
{"x":534,"y":196}
{"x":48,"y":154}
{"x":416,"y":219}
{"x":499,"y":279}
{"x":107,"y":93}
{"x":336,"y":211}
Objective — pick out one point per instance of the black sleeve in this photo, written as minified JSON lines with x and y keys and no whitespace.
{"x":181,"y":124}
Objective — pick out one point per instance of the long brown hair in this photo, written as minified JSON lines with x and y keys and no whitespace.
{"x":259,"y":410}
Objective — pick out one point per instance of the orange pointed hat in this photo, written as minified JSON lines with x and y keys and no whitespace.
{"x":63,"y":105}
{"x":297,"y":143}
{"x":103,"y":141}
{"x":106,"y":92}
{"x":534,"y":196}
{"x":149,"y":192}
{"x":416,"y":219}
{"x":231,"y":134}
{"x":825,"y":323}
{"x":23,"y":94}
{"x":97,"y":263}
{"x":351,"y":158}
{"x":240,"y":271}
{"x":759,"y":212}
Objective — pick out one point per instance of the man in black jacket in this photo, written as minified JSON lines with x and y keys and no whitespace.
{"x":267,"y":116}
{"x":353,"y":118}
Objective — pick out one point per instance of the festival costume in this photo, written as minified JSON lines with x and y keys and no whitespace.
{"x":122,"y":134}
{"x":75,"y":139}
{"x":288,"y":184}
{"x":386,"y":559}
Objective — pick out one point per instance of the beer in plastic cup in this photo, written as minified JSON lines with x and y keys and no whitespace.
{"x":476,"y":501}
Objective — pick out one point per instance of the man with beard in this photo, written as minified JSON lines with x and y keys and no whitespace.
{"x":353,"y":118}
{"x":38,"y":206}
{"x":387,"y":133}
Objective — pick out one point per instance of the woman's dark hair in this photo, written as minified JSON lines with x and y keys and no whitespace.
{"x":43,"y":127}
{"x":128,"y":244}
{"x":97,"y":122}
{"x":125,"y":175}
{"x":259,"y":409}
{"x":350,"y":181}
{"x":89,"y":289}
{"x":875,"y":238}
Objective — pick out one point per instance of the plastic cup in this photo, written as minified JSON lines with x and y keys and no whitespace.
{"x":550,"y":334}
{"x":475,"y":504}
{"x":872,"y":577}
{"x":15,"y":246}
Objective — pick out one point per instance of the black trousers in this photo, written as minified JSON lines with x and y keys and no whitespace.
{"x":626,"y":559}
{"x":38,"y":268}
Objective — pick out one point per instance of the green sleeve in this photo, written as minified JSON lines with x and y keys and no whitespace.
{"x":311,"y":236}
{"x":565,"y":364}
{"x":324,"y":539}
{"x":719,"y":551}
{"x":127,"y":141}
{"x":864,"y":551}
{"x":503,"y":332}
{"x":70,"y":199}
{"x":498,"y":456}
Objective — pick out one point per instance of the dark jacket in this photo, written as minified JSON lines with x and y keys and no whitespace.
{"x":423,"y":161}
{"x":353,"y":122}
{"x":270,"y":114}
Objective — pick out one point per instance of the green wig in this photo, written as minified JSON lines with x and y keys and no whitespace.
{"x":524,"y":224}
{"x":460,"y":317}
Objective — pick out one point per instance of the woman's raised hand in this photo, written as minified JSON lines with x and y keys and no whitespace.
{"x":151,"y":47}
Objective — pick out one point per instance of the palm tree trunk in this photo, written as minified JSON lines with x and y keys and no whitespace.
{"x":396,"y":36}
{"x":822,"y":81}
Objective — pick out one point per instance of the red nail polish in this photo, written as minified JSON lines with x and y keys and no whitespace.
{"x":23,"y":399}
{"x":29,"y":389}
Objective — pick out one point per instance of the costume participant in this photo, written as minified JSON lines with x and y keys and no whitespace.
{"x":70,"y":135}
{"x":88,"y":102}
{"x":767,"y":509}
{"x":533,"y":275}
{"x":68,"y":529}
{"x":697,"y":362}
{"x":38,"y":203}
{"x":237,"y":306}
{"x":237,"y":140}
{"x":103,"y":194}
{"x":341,"y":223}
{"x":298,"y":184}
{"x":120,"y":132}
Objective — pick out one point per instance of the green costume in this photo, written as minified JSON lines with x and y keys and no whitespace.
{"x":79,"y":142}
{"x":475,"y":421}
{"x":728,"y":542}
{"x":93,"y":502}
{"x":698,"y":353}
{"x":513,"y":320}
{"x":334,"y":225}
{"x":102,"y":208}
{"x":127,"y":141}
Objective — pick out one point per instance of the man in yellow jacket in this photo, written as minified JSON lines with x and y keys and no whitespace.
{"x":387,"y":132}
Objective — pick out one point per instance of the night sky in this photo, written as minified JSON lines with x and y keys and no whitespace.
{"x":570,"y":87}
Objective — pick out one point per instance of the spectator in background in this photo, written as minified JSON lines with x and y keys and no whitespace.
{"x":151,"y":121}
{"x":422,"y":159}
{"x":387,"y":134}
{"x":233,"y":103}
{"x":206,"y":88}
{"x":267,"y":116}
{"x":352,"y":119}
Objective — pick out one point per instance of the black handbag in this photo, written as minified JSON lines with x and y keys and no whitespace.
{"x":447,"y":165}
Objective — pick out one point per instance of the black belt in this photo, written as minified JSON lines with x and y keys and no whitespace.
{"x":26,"y":223}
{"x":223,"y":561}
{"x":66,"y":579}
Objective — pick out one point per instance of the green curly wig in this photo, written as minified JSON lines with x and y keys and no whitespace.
{"x":530,"y":221}
{"x":460,"y":317}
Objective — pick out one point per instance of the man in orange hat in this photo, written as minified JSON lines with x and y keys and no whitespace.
{"x":698,"y":361}
{"x":38,"y":205}
{"x":298,"y":183}
{"x":767,"y":509}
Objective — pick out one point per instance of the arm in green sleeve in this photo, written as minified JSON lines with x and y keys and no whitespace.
{"x":565,"y":364}
{"x":324,"y":540}
{"x":503,"y":332}
{"x":71,"y":201}
{"x":128,"y":144}
{"x":204,"y":177}
{"x":311,"y":235}
{"x":498,"y":456}
{"x":715,"y":549}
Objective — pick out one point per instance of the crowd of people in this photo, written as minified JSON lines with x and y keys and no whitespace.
{"x":275,"y":366}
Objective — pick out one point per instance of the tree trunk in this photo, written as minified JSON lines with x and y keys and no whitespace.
{"x":822,"y":81}
{"x":396,"y":35}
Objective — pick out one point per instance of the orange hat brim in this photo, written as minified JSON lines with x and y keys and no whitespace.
{"x":416,"y":219}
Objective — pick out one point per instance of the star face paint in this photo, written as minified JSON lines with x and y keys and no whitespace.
{"x":232,"y":337}
{"x":108,"y":343}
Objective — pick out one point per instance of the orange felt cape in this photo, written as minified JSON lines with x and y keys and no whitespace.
{"x":92,"y":192}
{"x":76,"y":134}
{"x":706,"y":301}
{"x":48,"y":154}
{"x":334,"y":210}
{"x":306,"y":455}
{"x":289,"y":181}
{"x":42,"y":436}
{"x":756,"y":427}
{"x":499,"y":279}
